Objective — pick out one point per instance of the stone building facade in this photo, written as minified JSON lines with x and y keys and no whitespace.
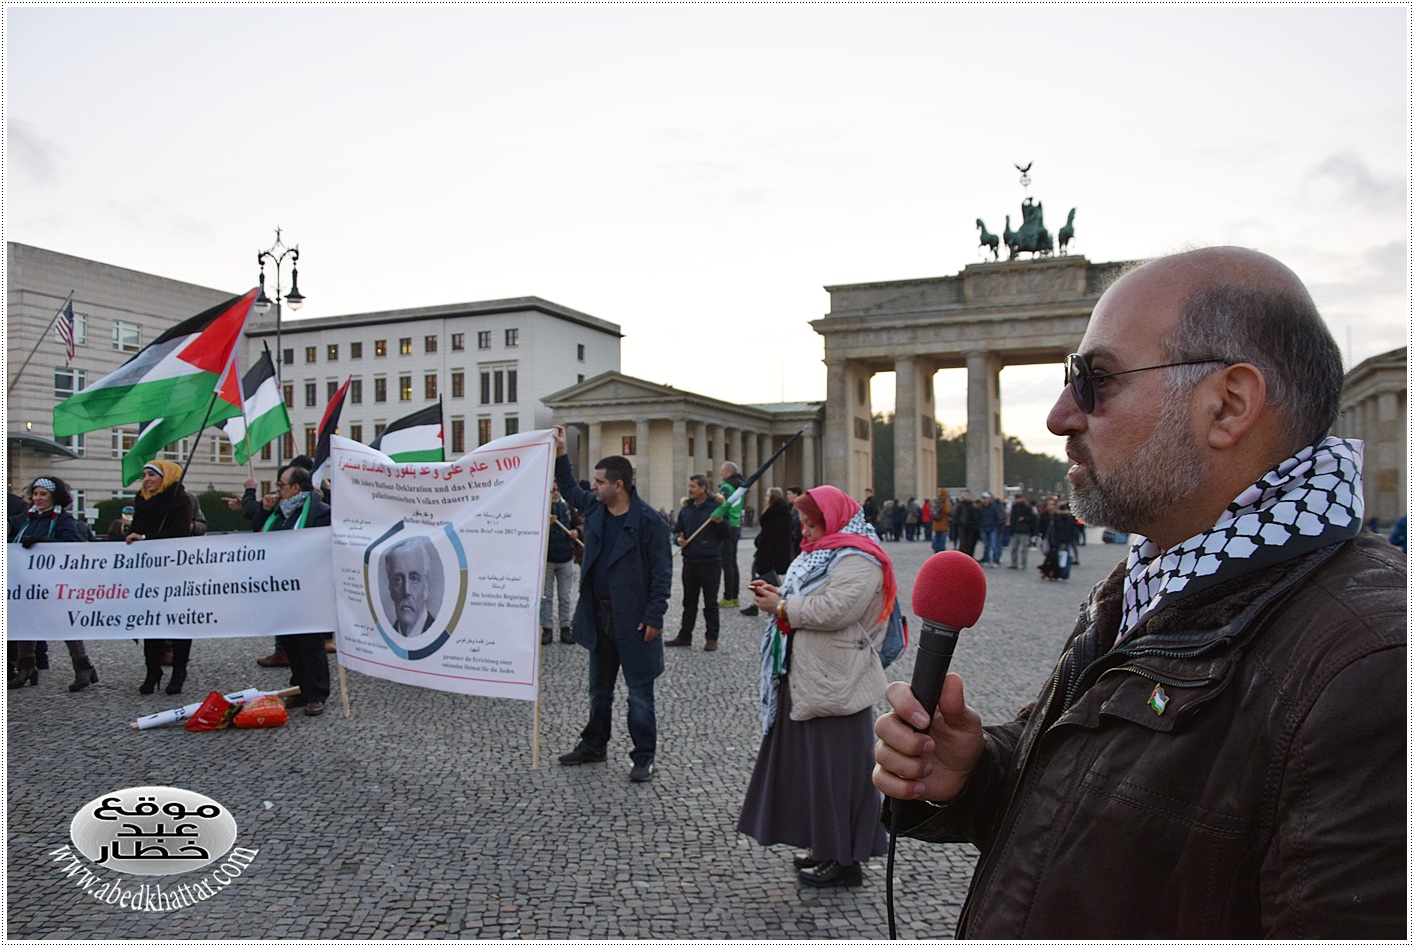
{"x":1374,"y":408}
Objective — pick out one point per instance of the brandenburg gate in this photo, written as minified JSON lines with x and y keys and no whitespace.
{"x":988,"y":316}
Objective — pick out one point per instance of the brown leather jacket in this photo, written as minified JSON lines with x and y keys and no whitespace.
{"x":1267,"y":800}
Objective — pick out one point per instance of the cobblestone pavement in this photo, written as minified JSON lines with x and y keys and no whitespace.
{"x":423,"y":816}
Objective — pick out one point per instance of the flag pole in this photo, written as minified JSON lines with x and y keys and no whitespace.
{"x":216,"y":393}
{"x":746,"y":484}
{"x":42,"y":336}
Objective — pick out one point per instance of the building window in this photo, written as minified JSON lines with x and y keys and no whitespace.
{"x":511,"y":386}
{"x":127,"y":336}
{"x":73,"y":442}
{"x":630,"y":446}
{"x":512,"y":338}
{"x":378,"y":428}
{"x":483,"y":339}
{"x":458,"y":384}
{"x":289,"y":395}
{"x":311,"y":440}
{"x":458,"y":341}
{"x":579,"y":379}
{"x":221,"y":450}
{"x":68,"y":382}
{"x":404,"y":387}
{"x":579,"y":352}
{"x":311,"y":394}
{"x":289,"y":449}
{"x":512,"y":426}
{"x":123,"y":440}
{"x":380,"y":390}
{"x":485,"y":387}
{"x":177,"y":451}
{"x":405,"y":346}
{"x":288,"y":358}
{"x":311,"y":354}
{"x":483,"y":431}
{"x":429,"y":387}
{"x":498,"y":384}
{"x":355,"y":350}
{"x":332,"y":389}
{"x":380,"y":348}
{"x":356,"y":392}
{"x":356,"y":432}
{"x":80,"y":328}
{"x":429,"y":343}
{"x":266,"y":453}
{"x":331,"y":352}
{"x":458,"y":436}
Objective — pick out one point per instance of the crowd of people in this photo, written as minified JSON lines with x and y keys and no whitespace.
{"x":163,"y":509}
{"x":1221,"y":749}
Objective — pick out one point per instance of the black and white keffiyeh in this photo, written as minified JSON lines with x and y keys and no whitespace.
{"x":1311,"y":499}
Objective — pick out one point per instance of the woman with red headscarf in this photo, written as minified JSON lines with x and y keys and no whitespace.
{"x":820,"y":678}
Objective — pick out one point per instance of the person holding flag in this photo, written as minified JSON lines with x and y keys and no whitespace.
{"x":732,"y":481}
{"x":162,"y":510}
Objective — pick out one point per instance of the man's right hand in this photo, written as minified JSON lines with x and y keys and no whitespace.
{"x":934,"y":765}
{"x":561,"y":445}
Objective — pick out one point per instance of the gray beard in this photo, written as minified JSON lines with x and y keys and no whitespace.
{"x":1161,"y":472}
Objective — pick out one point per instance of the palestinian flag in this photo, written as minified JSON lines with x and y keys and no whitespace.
{"x":263,"y":417}
{"x":183,"y":378}
{"x":327,"y":426}
{"x":176,"y":386}
{"x":414,"y":439}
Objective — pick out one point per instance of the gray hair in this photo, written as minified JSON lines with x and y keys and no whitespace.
{"x":1276,"y":329}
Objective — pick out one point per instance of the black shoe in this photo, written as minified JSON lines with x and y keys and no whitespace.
{"x":641,"y":772}
{"x":179,"y":677}
{"x":805,"y":861}
{"x":83,"y":677}
{"x":154,"y":677}
{"x":681,"y":641}
{"x":296,"y":701}
{"x":546,"y":635}
{"x":25,"y":675}
{"x":583,"y":754}
{"x":751,"y":610}
{"x":566,"y":636}
{"x":831,"y":874}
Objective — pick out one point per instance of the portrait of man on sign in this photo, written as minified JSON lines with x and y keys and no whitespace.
{"x":412,"y":588}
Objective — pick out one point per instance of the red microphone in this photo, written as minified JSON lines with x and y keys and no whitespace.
{"x":948,"y":596}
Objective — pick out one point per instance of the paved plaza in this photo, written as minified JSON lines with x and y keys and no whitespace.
{"x":424,"y":816}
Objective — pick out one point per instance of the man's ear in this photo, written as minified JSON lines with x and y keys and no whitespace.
{"x":1238,"y":399}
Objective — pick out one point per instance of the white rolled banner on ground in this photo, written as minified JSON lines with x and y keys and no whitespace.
{"x":438,"y":567}
{"x":224,"y":586}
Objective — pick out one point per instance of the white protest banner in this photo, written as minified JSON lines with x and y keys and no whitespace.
{"x":225,"y":586}
{"x":438,"y":567}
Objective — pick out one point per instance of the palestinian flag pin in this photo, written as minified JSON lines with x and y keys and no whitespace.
{"x":1158,"y":700}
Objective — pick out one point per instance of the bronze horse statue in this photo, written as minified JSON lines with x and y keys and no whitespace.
{"x":988,"y":240}
{"x":1067,"y":233}
{"x":1033,"y":237}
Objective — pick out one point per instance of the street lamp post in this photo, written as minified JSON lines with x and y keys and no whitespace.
{"x":276,"y":255}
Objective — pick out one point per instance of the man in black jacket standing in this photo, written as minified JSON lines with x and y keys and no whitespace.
{"x":1221,"y":751}
{"x":297,"y":506}
{"x":700,"y":535}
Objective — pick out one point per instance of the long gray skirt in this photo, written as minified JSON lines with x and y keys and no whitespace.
{"x":812,"y":786}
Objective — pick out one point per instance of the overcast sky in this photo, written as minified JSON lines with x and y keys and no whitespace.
{"x":698,"y":174}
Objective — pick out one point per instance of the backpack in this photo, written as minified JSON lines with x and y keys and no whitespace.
{"x":895,"y":637}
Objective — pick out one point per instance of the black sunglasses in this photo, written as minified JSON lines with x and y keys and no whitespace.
{"x":1082,"y":380}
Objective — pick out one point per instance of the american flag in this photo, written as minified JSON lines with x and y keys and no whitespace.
{"x":65,"y":329}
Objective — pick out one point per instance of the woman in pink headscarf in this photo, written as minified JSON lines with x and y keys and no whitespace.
{"x":820,"y":678}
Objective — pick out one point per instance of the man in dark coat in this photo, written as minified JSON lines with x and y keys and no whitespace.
{"x":623,"y":596}
{"x":299,"y":507}
{"x":1221,"y":750}
{"x":701,"y":531}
